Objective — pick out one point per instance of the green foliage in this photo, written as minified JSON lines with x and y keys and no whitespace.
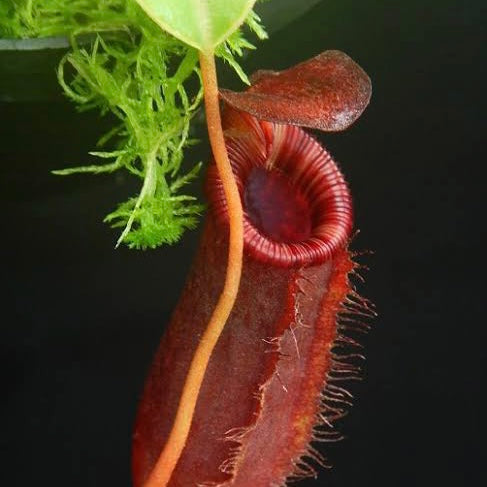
{"x":202,"y":24}
{"x":236,"y":44}
{"x":122,"y":63}
{"x":44,"y":18}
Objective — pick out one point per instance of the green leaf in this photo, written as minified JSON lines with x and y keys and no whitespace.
{"x":202,"y":24}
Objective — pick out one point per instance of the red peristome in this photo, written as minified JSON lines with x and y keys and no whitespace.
{"x":308,"y":176}
{"x":328,"y":92}
{"x":261,"y":401}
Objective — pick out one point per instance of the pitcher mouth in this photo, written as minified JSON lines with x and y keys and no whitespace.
{"x":297,"y":205}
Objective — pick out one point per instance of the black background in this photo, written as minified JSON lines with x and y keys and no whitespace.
{"x":80,"y":321}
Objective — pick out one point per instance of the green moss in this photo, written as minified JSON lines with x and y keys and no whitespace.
{"x":121,"y":62}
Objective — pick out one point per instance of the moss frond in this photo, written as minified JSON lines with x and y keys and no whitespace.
{"x":122,"y":63}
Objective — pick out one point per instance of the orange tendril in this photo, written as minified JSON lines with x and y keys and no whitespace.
{"x":168,"y":459}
